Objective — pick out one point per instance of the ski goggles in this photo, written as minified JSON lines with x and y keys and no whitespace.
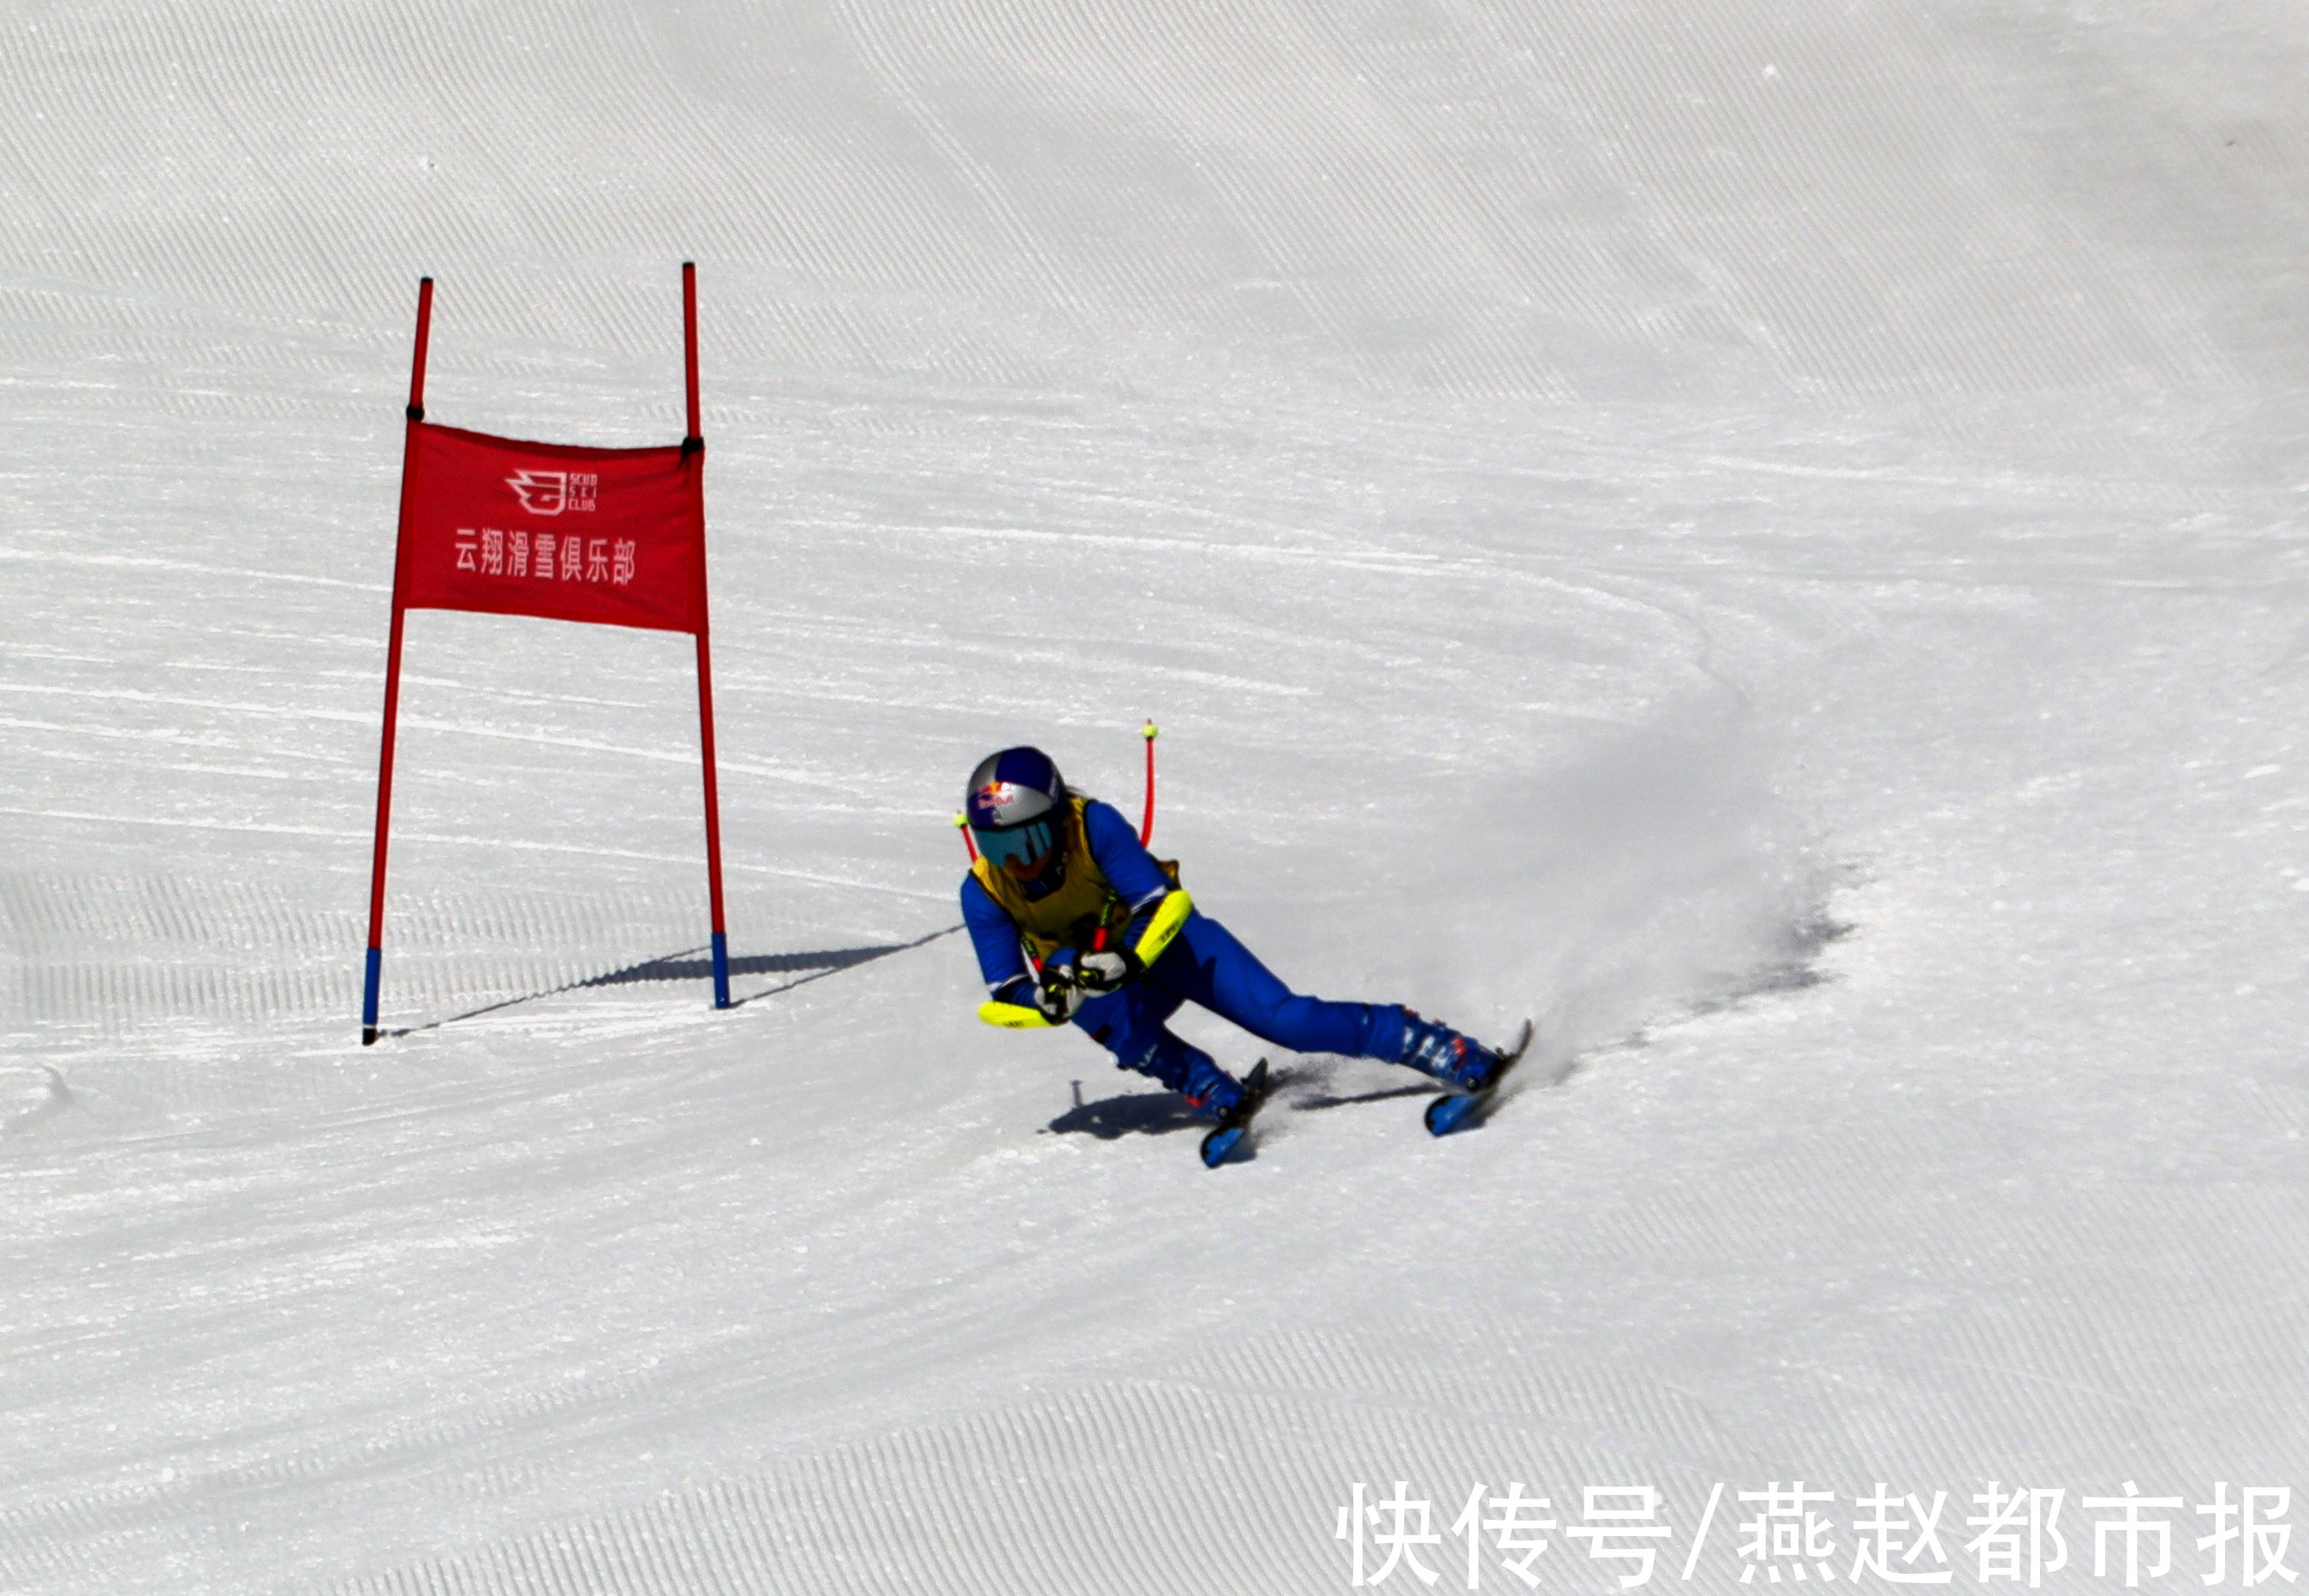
{"x":1023,"y":844}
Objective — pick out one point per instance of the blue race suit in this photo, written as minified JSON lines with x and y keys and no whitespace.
{"x":1203,"y":964}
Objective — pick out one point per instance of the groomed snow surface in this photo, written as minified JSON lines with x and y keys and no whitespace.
{"x":1766,"y":535}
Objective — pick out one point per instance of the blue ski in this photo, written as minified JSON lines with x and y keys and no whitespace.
{"x":1455,"y":1110}
{"x":1233,"y":1130}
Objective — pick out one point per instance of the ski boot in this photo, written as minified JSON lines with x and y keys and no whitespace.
{"x":1235,"y":1121}
{"x":1455,"y":1109}
{"x":1458,"y":1061}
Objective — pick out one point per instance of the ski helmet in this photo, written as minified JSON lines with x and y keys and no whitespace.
{"x":1016,"y":803}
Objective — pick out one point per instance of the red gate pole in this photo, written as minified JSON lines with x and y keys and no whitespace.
{"x":693,"y":453}
{"x":1147,"y":822}
{"x":373,"y":976}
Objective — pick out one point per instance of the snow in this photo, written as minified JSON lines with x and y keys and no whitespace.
{"x":1769,"y":538}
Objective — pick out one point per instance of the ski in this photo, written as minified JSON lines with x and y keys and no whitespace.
{"x":1455,"y":1110}
{"x":1235,"y":1127}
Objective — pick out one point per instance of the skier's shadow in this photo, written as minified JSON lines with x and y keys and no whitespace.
{"x":1132,"y":1114}
{"x":1155,"y":1113}
{"x":1327,"y":1099}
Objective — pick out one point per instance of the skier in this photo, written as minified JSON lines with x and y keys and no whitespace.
{"x":1121,"y":946}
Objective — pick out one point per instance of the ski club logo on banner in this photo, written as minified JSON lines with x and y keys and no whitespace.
{"x":549,"y":493}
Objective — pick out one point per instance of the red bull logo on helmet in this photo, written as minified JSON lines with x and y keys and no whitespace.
{"x":991,"y":802}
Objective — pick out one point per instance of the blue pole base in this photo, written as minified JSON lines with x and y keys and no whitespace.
{"x":721,"y":970}
{"x":369,"y":986}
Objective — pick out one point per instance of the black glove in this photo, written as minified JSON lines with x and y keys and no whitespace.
{"x":1058,"y":993}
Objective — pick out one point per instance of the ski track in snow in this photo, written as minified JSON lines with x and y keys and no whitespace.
{"x":1765,"y":536}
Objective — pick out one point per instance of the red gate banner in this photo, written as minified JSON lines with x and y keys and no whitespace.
{"x":571,"y":534}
